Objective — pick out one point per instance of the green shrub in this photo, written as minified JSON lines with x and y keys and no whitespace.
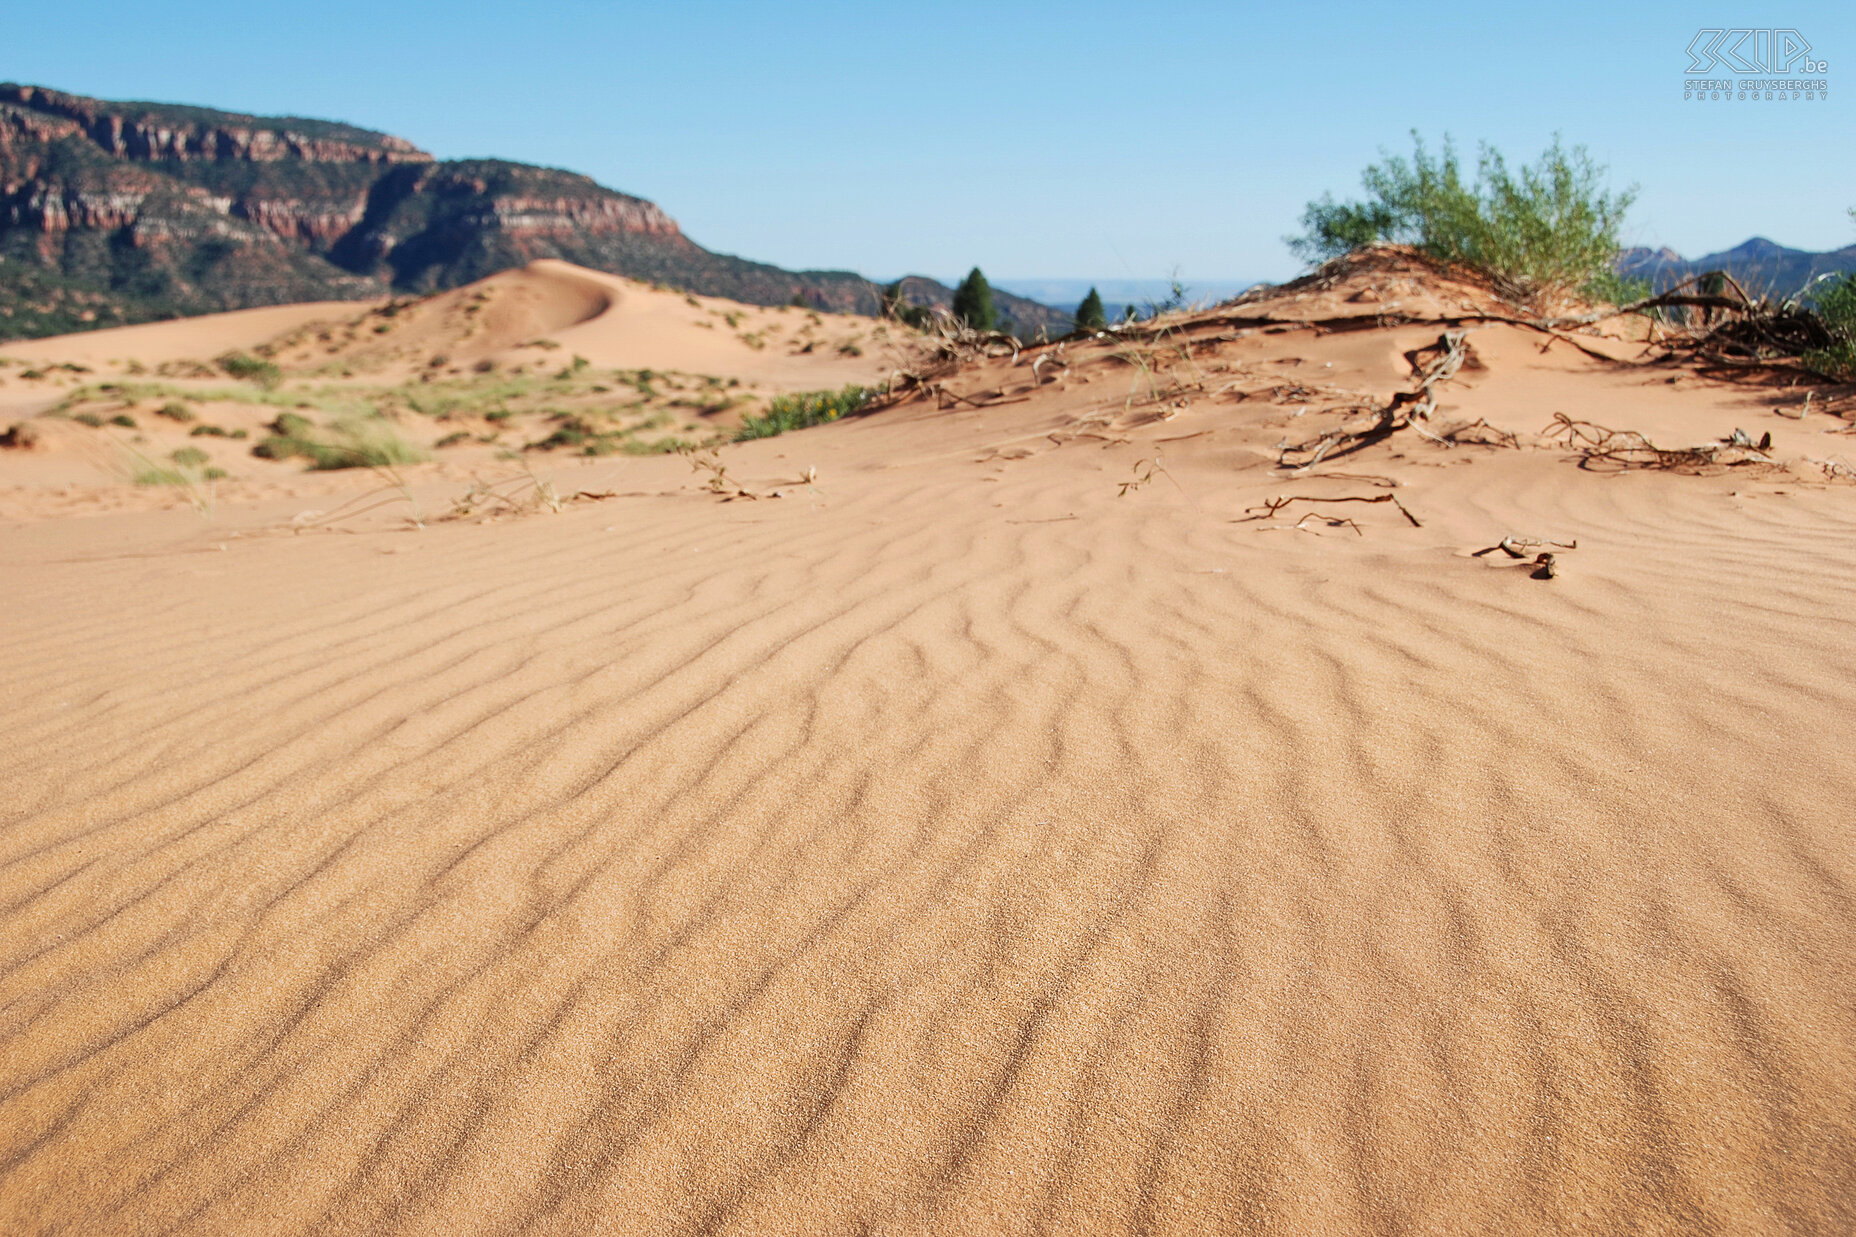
{"x":123,"y":419}
{"x":794,"y":412}
{"x":1835,"y":306}
{"x":190,"y":457}
{"x":89,"y":418}
{"x":1548,"y":227}
{"x":174,"y":410}
{"x":354,"y":443}
{"x":1090,"y":315}
{"x":292,"y":425}
{"x":248,"y":368}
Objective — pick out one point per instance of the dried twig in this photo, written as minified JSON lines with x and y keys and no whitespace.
{"x":1144,"y":472}
{"x":725,"y":487}
{"x":1270,"y":506}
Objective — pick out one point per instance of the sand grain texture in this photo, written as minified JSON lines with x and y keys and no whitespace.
{"x":947,"y":847}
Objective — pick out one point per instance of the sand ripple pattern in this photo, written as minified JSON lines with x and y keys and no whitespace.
{"x":753,"y":869}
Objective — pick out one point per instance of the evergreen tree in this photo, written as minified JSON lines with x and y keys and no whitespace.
{"x":1089,"y":315}
{"x":973,"y":302}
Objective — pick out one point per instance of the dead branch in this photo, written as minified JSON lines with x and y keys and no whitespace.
{"x":1431,"y":366}
{"x":952,"y":344}
{"x":1600,"y":446}
{"x":1270,"y":506}
{"x":1517,"y":547}
{"x":1834,"y":469}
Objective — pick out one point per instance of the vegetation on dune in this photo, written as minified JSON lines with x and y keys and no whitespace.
{"x":248,"y":368}
{"x":583,"y":408}
{"x":1835,"y":304}
{"x":1090,"y":315}
{"x":801,"y":411}
{"x":1549,"y":227}
{"x":350,"y":443}
{"x":187,"y":466}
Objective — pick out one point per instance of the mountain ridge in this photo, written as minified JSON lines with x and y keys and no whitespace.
{"x":120,"y":212}
{"x":1761,"y":265}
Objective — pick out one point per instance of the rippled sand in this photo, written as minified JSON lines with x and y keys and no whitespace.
{"x":952,"y":846}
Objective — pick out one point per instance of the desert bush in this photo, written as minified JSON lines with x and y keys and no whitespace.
{"x":1090,"y":315}
{"x":351,"y":443}
{"x":1548,"y":227}
{"x":248,"y":368}
{"x":1835,"y":305}
{"x":794,"y":412}
{"x":176,"y":411}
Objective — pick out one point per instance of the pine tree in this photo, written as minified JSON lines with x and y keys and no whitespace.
{"x":1090,"y":315}
{"x":973,"y":302}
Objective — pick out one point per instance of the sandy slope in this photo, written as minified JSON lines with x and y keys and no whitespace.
{"x":610,"y":320}
{"x":200,"y":338}
{"x":955,"y":845}
{"x":517,"y":327}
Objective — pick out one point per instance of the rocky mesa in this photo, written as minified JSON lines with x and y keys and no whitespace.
{"x":120,"y":212}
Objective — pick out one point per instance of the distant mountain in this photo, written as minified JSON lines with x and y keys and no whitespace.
{"x":1761,"y":266}
{"x":112,"y":213}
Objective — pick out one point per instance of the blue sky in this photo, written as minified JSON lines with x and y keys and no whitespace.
{"x":1078,"y":140}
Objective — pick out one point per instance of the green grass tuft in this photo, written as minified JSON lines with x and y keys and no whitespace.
{"x":802,"y":411}
{"x":349,"y":443}
{"x":248,"y":368}
{"x":1835,"y":305}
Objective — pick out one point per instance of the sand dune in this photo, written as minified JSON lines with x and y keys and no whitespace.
{"x":201,"y":338}
{"x":609,"y":320}
{"x":957,"y":844}
{"x":526,"y":347}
